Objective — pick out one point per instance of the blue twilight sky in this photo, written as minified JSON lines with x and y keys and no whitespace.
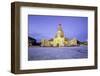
{"x":45,"y":27}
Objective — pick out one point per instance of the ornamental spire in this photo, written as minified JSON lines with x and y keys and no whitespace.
{"x":60,"y":32}
{"x":60,"y":27}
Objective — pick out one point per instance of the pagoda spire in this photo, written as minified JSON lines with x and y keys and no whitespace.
{"x":60,"y":27}
{"x":60,"y":32}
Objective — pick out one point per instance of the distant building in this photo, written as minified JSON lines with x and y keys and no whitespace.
{"x":59,"y":40}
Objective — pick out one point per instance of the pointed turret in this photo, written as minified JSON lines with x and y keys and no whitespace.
{"x":60,"y":27}
{"x":60,"y":32}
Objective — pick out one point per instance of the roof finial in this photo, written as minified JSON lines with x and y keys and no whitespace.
{"x":60,"y":27}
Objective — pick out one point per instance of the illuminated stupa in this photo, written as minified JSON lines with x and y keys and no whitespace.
{"x":59,"y":39}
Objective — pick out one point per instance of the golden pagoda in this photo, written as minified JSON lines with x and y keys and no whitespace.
{"x":59,"y":40}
